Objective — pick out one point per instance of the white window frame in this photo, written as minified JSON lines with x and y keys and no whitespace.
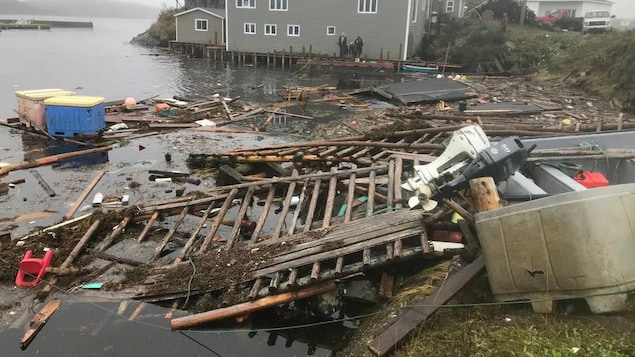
{"x":334,"y":30}
{"x":367,"y":6}
{"x":278,"y":5}
{"x":196,"y":22}
{"x":246,"y":4}
{"x":449,"y":6}
{"x":252,"y":27}
{"x":289,"y":32}
{"x":270,"y":27}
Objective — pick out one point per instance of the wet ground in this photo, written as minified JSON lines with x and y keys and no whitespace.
{"x":104,"y":329}
{"x":82,"y":328}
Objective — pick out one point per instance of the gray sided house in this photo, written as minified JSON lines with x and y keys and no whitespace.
{"x":452,"y":8}
{"x":388,"y":27}
{"x":201,"y":25}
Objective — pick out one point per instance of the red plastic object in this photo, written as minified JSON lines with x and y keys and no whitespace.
{"x":33,"y":267}
{"x":590,"y":179}
{"x":447,"y":236}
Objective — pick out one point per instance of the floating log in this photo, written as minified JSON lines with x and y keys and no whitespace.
{"x":48,"y":160}
{"x":249,"y":307}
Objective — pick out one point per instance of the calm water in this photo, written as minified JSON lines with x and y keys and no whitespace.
{"x":100,"y":61}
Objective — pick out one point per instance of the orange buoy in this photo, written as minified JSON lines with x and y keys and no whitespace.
{"x":161,"y":107}
{"x":129,"y":102}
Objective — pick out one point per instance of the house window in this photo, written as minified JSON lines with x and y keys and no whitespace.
{"x":367,"y":6}
{"x":449,"y":6}
{"x":271,"y":29}
{"x":330,"y":30}
{"x":278,"y":5}
{"x":293,"y":30}
{"x":250,"y":28}
{"x":200,"y":24}
{"x":246,"y":3}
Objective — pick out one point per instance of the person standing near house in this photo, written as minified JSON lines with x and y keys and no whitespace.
{"x":343,"y":43}
{"x":359,"y":43}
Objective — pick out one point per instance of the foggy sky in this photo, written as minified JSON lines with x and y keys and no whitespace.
{"x":623,"y":8}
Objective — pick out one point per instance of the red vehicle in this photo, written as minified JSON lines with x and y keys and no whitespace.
{"x":553,"y":17}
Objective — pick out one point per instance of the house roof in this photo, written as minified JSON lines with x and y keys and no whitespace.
{"x":220,"y":13}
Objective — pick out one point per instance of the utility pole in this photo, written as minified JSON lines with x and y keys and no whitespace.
{"x":523,"y":11}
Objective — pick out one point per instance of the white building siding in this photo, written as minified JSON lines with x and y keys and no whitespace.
{"x":577,"y":8}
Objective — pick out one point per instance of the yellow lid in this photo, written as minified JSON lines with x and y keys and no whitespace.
{"x":75,"y":101}
{"x":41,"y":94}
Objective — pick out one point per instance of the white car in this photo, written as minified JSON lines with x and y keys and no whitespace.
{"x":597,"y":21}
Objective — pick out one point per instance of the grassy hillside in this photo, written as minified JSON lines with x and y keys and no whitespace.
{"x":601,"y":64}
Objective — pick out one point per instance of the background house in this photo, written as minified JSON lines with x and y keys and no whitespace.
{"x":452,"y":8}
{"x":388,"y":27}
{"x":575,"y":8}
{"x":201,"y":25}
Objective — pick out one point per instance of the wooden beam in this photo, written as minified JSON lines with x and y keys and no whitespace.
{"x":85,"y":194}
{"x":38,"y":322}
{"x":385,"y":342}
{"x":249,"y":307}
{"x":48,"y":160}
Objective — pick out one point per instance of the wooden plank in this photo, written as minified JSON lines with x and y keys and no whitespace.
{"x":370,"y":204}
{"x":85,"y":194}
{"x":246,"y":115}
{"x":49,"y":191}
{"x":233,"y":236}
{"x":384,"y":342}
{"x":253,"y":293}
{"x":168,"y":236}
{"x":71,"y":257}
{"x":350,"y":196}
{"x":188,"y":245}
{"x":398,"y":171}
{"x":364,"y":226}
{"x":38,"y":322}
{"x":391,"y":184}
{"x":285,"y":207}
{"x":348,"y":247}
{"x":263,"y":215}
{"x":115,"y":233}
{"x":146,"y":229}
{"x":113,"y":258}
{"x":330,"y":198}
{"x":296,"y":212}
{"x":274,"y":284}
{"x":217,"y":222}
{"x":312,"y":205}
{"x":386,"y":285}
{"x":227,"y":110}
{"x":293,"y":275}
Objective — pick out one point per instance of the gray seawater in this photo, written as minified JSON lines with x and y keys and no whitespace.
{"x":102,"y":62}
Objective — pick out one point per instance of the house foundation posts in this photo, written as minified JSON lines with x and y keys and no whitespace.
{"x":283,"y":56}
